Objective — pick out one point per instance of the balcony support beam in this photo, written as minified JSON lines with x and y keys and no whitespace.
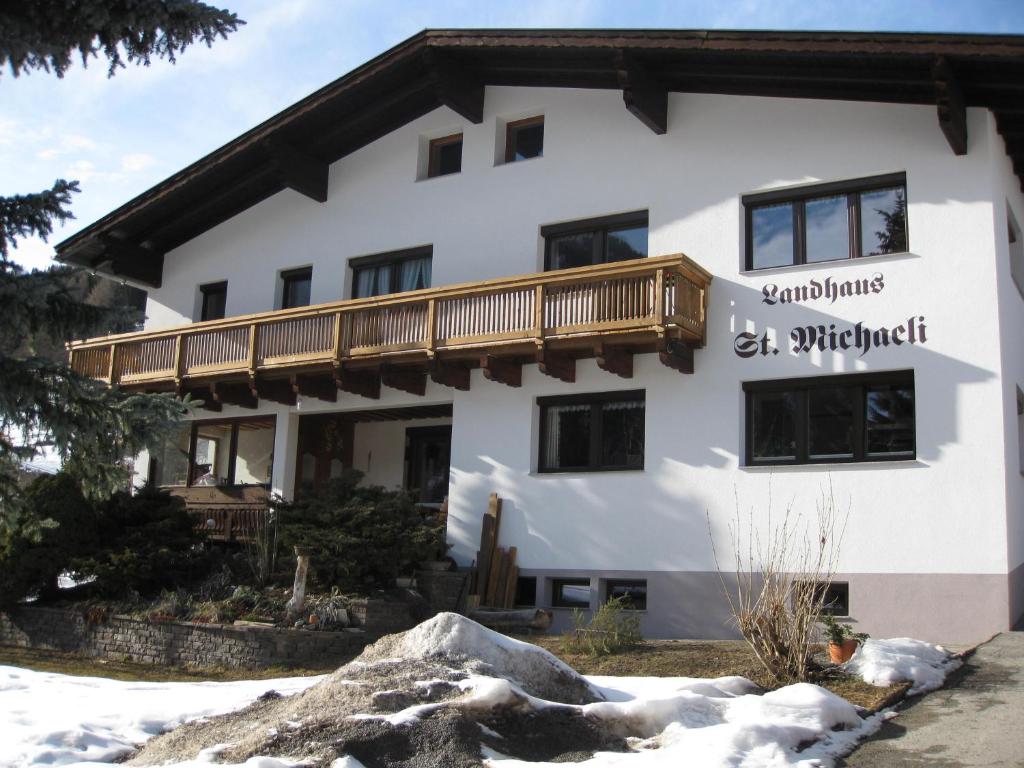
{"x":676,"y":355}
{"x":450,"y":375}
{"x":205,"y":396}
{"x":614,"y":360}
{"x":126,"y":259}
{"x":320,"y":387}
{"x":508,"y":372}
{"x":407,"y":380}
{"x":235,"y":393}
{"x":275,"y":390}
{"x":556,"y":365}
{"x":645,"y":98}
{"x":362,"y":383}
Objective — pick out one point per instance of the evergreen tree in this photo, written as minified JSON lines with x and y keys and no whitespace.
{"x":43,"y":404}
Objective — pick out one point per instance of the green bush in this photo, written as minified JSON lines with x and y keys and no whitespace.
{"x":613,"y":629}
{"x":30,"y":566}
{"x":359,"y":536}
{"x":147,"y":544}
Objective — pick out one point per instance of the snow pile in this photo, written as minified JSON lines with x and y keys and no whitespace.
{"x":51,"y":719}
{"x":886,"y":662}
{"x":454,"y":637}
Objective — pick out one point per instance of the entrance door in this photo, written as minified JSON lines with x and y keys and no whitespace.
{"x":325,"y":449}
{"x":428,"y":452}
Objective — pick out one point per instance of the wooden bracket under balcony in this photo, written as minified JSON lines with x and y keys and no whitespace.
{"x":608,"y":311}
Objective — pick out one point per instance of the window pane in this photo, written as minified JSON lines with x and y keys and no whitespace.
{"x":171,"y":462}
{"x":527,"y":141}
{"x":214,"y":301}
{"x":828,"y":228}
{"x":296,"y":290}
{"x":446,"y":157}
{"x":772,"y":235}
{"x":255,"y":456}
{"x":526,"y":591}
{"x":622,"y":434}
{"x":414,"y":274}
{"x":890,"y":419}
{"x":883,"y":215}
{"x":210,"y":463}
{"x":627,"y":244}
{"x":568,"y":436}
{"x":830,"y":423}
{"x":635,"y":593}
{"x":572,"y":594}
{"x":774,"y":427}
{"x":571,"y":251}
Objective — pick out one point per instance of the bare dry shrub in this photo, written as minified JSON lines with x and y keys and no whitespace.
{"x":782,"y":575}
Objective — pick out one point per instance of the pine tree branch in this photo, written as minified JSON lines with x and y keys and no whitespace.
{"x":33,"y":214}
{"x":46,"y":34}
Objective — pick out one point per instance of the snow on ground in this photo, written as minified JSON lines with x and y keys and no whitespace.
{"x":51,"y":719}
{"x":885,"y":662}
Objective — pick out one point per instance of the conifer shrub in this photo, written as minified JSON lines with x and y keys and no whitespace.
{"x":32,"y":561}
{"x":359,"y":536}
{"x":614,"y":628}
{"x":146,"y":544}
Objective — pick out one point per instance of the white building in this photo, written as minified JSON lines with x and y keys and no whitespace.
{"x":847,"y":317}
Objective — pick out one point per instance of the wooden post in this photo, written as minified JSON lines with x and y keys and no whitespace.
{"x":538,"y":312}
{"x":659,"y":298}
{"x":431,"y":324}
{"x":337,"y":340}
{"x":112,"y":364}
{"x":298,"y":598}
{"x":179,"y":359}
{"x":252,"y":351}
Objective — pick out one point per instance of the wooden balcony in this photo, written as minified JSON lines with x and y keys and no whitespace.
{"x":609,"y":312}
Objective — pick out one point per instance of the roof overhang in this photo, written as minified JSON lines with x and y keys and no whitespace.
{"x":294,"y":148}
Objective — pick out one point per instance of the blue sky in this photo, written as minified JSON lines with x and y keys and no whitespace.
{"x":120,"y":136}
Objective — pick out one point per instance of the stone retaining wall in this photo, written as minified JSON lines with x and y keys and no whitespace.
{"x":174,"y":643}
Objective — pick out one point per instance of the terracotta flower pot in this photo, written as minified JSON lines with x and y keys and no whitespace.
{"x":840,"y":653}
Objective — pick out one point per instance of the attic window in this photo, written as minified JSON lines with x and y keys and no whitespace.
{"x":524,"y":139}
{"x":445,"y":156}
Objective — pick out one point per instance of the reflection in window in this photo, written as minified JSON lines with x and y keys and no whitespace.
{"x":622,"y":427}
{"x":595,"y":241}
{"x":830,"y":422}
{"x":296,"y":287}
{"x":169,"y":464}
{"x":568,"y":436}
{"x":214,"y":453}
{"x":772,"y":227}
{"x":828,"y":228}
{"x":890,"y":419}
{"x":632,"y":591}
{"x":570,"y":593}
{"x":827,"y":222}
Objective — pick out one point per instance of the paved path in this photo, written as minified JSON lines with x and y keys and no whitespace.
{"x":977,"y":719}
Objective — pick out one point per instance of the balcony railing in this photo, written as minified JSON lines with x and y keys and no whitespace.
{"x":664,"y":296}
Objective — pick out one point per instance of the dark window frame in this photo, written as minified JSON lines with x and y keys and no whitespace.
{"x":852,"y":188}
{"x":594,"y":400}
{"x":235,"y":424}
{"x":434,"y":154}
{"x":557,"y":584}
{"x":289,"y":276}
{"x":610,"y":583}
{"x":598,"y":225}
{"x":511,"y":137}
{"x":212,"y":289}
{"x":801,"y":386}
{"x":393,"y":258}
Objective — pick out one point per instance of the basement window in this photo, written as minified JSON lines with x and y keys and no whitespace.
{"x":595,"y":241}
{"x":526,"y":591}
{"x":633,"y":592}
{"x":836,"y":597}
{"x":831,"y":419}
{"x":570,"y":593}
{"x":826,"y":222}
{"x":445,"y":156}
{"x":595,"y":432}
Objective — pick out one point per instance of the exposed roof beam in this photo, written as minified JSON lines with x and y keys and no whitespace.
{"x":645,"y":98}
{"x":457,"y":88}
{"x":299,"y":170}
{"x":949,"y":100}
{"x":129,"y":260}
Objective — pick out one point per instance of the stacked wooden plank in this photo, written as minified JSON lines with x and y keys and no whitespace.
{"x":494,"y":579}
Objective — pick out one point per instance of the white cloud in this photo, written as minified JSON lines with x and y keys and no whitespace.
{"x":32,"y":253}
{"x":136,"y":162}
{"x":83,"y":170}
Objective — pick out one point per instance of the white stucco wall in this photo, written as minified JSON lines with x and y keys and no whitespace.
{"x":944,"y":513}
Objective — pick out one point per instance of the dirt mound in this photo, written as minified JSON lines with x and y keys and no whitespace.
{"x":429,"y":696}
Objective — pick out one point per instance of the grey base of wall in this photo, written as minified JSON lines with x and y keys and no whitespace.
{"x":937,"y":607}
